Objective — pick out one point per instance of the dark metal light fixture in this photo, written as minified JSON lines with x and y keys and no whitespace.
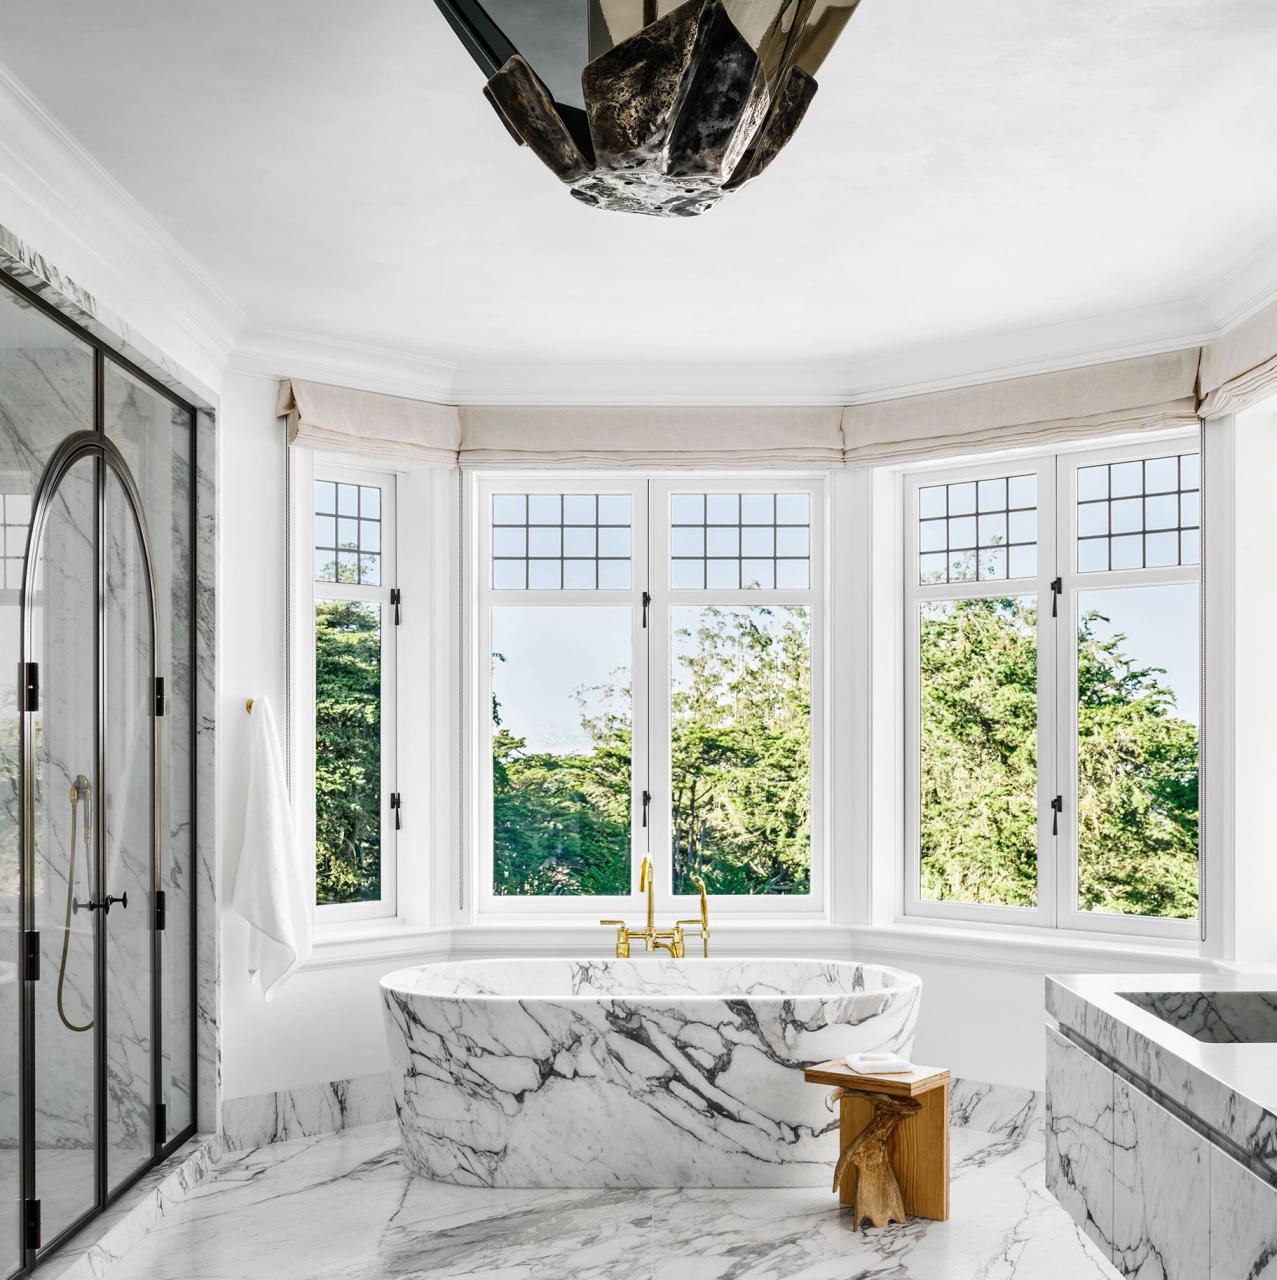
{"x":651,"y":106}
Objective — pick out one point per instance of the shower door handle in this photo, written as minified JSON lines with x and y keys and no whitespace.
{"x":104,"y":906}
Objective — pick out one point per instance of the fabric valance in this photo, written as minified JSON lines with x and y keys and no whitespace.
{"x":1240,"y":369}
{"x":369,"y":423}
{"x":1147,"y":393}
{"x":772,"y":438}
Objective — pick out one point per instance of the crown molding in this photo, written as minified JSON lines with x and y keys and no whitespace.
{"x":1247,"y":289}
{"x":277,"y":353}
{"x":58,"y":198}
{"x":284,"y":353}
{"x":882,"y":376}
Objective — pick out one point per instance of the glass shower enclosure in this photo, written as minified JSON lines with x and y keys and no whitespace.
{"x":97,"y":1046}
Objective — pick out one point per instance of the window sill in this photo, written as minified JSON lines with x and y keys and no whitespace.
{"x":363,"y":942}
{"x":904,"y":942}
{"x":1040,"y":950}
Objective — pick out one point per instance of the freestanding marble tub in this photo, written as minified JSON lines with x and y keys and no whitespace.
{"x":631,"y":1073}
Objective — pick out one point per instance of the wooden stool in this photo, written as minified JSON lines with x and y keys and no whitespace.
{"x":894,"y":1142}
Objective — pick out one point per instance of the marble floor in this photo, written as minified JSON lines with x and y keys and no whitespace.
{"x":344,"y":1207}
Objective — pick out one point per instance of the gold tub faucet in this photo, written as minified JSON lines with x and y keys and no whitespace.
{"x":654,"y":939}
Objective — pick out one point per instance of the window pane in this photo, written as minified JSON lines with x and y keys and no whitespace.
{"x":339,"y":539}
{"x":347,"y":751}
{"x":1138,"y":750}
{"x":979,"y":716}
{"x":562,"y":723}
{"x":740,"y":537}
{"x":740,"y":706}
{"x":1138,"y":504}
{"x":996,"y":541}
{"x":532,"y":533}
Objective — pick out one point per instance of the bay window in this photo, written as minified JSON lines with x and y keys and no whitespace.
{"x":1052,"y":633}
{"x":644,"y":687}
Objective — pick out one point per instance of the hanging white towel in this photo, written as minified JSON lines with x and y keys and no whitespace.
{"x":270,"y":890}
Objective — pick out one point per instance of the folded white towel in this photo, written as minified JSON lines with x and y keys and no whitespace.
{"x":270,"y":889}
{"x":878,"y":1064}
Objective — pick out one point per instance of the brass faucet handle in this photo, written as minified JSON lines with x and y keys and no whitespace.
{"x":700,"y":888}
{"x":619,"y":922}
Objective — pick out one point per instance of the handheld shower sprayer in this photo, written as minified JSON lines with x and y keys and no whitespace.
{"x":81,"y":793}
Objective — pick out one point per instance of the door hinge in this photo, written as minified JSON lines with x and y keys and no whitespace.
{"x":31,"y":956}
{"x":31,"y":687}
{"x":396,"y":805}
{"x":396,"y":599}
{"x":647,"y":604}
{"x":161,"y":1124}
{"x":159,"y":695}
{"x":1057,"y":808}
{"x":31,"y":1224}
{"x":647,"y":800}
{"x":1057,"y":590}
{"x":160,"y":911}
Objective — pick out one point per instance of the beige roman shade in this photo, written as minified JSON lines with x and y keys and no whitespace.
{"x":779,"y":438}
{"x":1147,"y":393}
{"x":369,"y":424}
{"x":1240,"y":369}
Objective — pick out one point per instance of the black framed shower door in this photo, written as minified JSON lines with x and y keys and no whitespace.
{"x":104,"y":767}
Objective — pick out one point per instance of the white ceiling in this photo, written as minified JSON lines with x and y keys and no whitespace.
{"x":967,"y":170}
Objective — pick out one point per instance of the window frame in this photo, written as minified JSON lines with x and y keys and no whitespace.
{"x":649,"y":493}
{"x":1058,"y":865}
{"x":309,"y":467}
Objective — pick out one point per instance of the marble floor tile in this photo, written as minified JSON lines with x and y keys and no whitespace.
{"x":344,"y":1207}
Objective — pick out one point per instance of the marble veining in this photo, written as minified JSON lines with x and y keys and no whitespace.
{"x":1079,"y":1138}
{"x":1161,"y":1192}
{"x":1217,"y":1017}
{"x":667,"y":1073}
{"x":348,"y":1207}
{"x":1243,"y":1217}
{"x":1230,"y":1090}
{"x":306,"y":1111}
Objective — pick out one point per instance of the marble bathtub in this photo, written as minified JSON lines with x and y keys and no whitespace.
{"x":631,"y":1073}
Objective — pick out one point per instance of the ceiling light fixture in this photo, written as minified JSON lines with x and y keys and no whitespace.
{"x":650,"y":106}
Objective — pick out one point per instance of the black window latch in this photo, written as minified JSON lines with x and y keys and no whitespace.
{"x":1057,"y":808}
{"x":1057,"y":590}
{"x":396,"y":805}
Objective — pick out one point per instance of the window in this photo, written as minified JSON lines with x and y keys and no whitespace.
{"x":644,"y":687}
{"x":1052,"y":622}
{"x":350,"y":608}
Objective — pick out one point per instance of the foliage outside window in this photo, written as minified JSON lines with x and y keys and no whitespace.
{"x":352,"y":524}
{"x":572,"y":749}
{"x":1082,"y":803}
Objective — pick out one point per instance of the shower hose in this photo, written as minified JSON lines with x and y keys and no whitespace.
{"x":80,"y":784}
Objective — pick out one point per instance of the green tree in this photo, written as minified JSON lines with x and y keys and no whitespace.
{"x":1137,"y":758}
{"x":347,"y":751}
{"x":741,"y":751}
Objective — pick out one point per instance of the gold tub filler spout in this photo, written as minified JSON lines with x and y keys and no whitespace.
{"x":672,"y":940}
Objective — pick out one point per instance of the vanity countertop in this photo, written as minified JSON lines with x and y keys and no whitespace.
{"x":1229,"y":1087}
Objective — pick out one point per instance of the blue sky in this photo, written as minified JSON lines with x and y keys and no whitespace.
{"x":552,"y":650}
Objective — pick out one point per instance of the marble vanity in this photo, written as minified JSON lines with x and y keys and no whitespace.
{"x":1161,"y":1096}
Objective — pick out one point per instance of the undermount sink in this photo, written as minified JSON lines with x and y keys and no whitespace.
{"x":1214,"y":1017}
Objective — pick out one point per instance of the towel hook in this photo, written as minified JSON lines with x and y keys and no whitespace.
{"x":248,"y":706}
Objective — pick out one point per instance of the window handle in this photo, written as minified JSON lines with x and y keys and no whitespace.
{"x":647,"y":800}
{"x":647,"y":604}
{"x":396,"y":806}
{"x":1057,"y":589}
{"x":1057,"y":808}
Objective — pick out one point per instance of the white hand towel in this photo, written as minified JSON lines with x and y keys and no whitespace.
{"x":878,"y":1064}
{"x":270,"y":890}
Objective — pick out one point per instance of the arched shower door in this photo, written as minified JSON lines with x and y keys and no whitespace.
{"x":92,"y":699}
